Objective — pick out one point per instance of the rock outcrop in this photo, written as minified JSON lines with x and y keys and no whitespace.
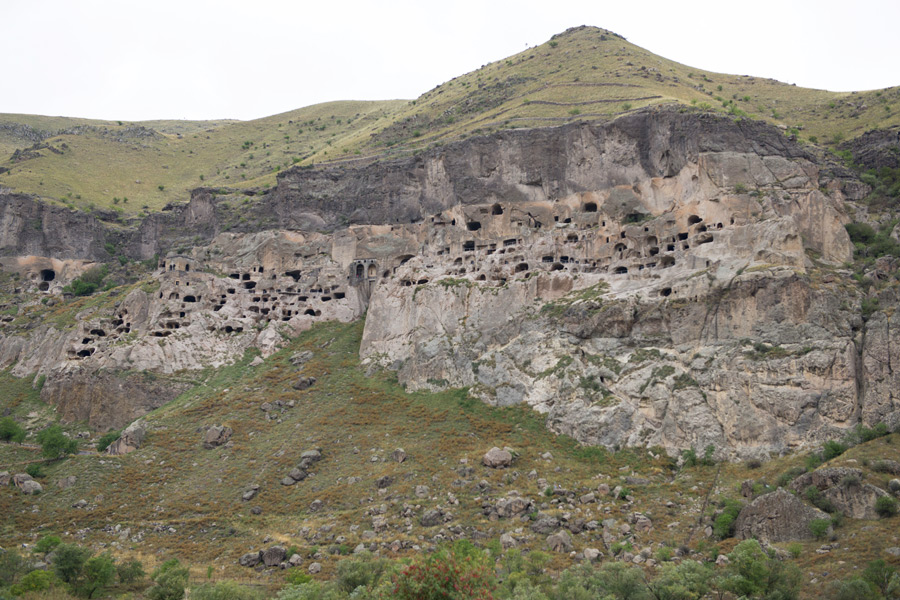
{"x":777,"y":517}
{"x":666,"y":278}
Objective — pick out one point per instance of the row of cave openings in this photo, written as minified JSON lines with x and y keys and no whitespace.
{"x":108,"y":331}
{"x":529,"y":219}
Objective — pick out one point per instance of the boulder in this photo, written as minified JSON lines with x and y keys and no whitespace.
{"x":297,"y":474}
{"x":545,"y":525}
{"x":315,"y":568}
{"x":591,"y":554}
{"x":274,"y":556}
{"x":398,"y":455}
{"x":422,"y":491}
{"x":19,"y":478}
{"x":512,"y":506}
{"x":288,"y":481}
{"x":776,"y":517}
{"x":383,"y":482}
{"x":4,"y":478}
{"x":304,"y":383}
{"x":298,"y":359}
{"x":215,"y":436}
{"x":129,"y":440}
{"x":507,"y":541}
{"x":251,"y":559}
{"x":432,"y":517}
{"x":309,"y":458}
{"x":66,"y":482}
{"x":31,"y":487}
{"x":495,"y":458}
{"x":560,"y":541}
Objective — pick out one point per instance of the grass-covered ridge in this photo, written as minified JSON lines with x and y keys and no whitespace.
{"x":585,"y":73}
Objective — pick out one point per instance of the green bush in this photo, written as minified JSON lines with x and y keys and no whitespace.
{"x":225,"y":590}
{"x":10,"y":431}
{"x":171,"y":579}
{"x":69,"y":561}
{"x":365,"y":571}
{"x":106,"y":439}
{"x":791,"y":474}
{"x":46,"y":544}
{"x":883,"y":577}
{"x":752,"y":573}
{"x":35,"y":581}
{"x":36,"y":470}
{"x":89,"y":282}
{"x":54,"y":444}
{"x":833,"y":449}
{"x":130,"y":572}
{"x":723,"y":526}
{"x":816,"y":498}
{"x":886,"y":507}
{"x":819,"y":527}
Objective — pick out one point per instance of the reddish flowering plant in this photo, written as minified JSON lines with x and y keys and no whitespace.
{"x":445,"y":575}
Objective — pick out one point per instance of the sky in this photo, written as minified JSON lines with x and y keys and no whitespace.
{"x":244,"y":59}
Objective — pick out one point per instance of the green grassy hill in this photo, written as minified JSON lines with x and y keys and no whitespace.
{"x":585,"y":73}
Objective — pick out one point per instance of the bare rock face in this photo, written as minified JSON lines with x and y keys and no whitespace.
{"x":646,"y":281}
{"x":495,"y":458}
{"x":777,"y":517}
{"x":856,"y":500}
{"x":130,"y":440}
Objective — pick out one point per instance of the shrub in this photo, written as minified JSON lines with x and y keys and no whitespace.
{"x":46,"y":544}
{"x":832,"y":449}
{"x":297,"y":577}
{"x":886,"y":507}
{"x":754,"y":574}
{"x":89,"y":281}
{"x":882,"y":576}
{"x":54,"y":444}
{"x":311,"y":591}
{"x":35,"y":581}
{"x":130,"y":572}
{"x":36,"y":470}
{"x":171,"y":579}
{"x":819,"y":527}
{"x":10,"y":431}
{"x":443,"y":575}
{"x":794,"y":549}
{"x":816,"y":498}
{"x":788,"y":476}
{"x":365,"y":572}
{"x":723,"y":526}
{"x":224,"y":590}
{"x":106,"y":439}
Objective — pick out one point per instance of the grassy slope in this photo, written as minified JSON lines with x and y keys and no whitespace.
{"x":172,"y":481}
{"x":582,"y":74}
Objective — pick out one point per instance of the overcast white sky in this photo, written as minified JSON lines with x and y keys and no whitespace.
{"x":208,"y":59}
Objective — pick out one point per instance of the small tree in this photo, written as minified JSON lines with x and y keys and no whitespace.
{"x":69,"y":562}
{"x":10,"y":431}
{"x":99,"y":572}
{"x":106,"y":439}
{"x":54,"y":444}
{"x":46,"y":544}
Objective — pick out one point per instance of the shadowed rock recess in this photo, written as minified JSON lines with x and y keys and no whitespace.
{"x":668,"y":278}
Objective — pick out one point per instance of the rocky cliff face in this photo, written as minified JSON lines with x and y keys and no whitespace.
{"x":664,"y":279}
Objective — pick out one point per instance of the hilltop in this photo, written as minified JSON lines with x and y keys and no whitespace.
{"x":583,"y":74}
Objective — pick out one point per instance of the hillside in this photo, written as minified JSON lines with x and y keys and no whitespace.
{"x":564,"y":327}
{"x":583,"y":74}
